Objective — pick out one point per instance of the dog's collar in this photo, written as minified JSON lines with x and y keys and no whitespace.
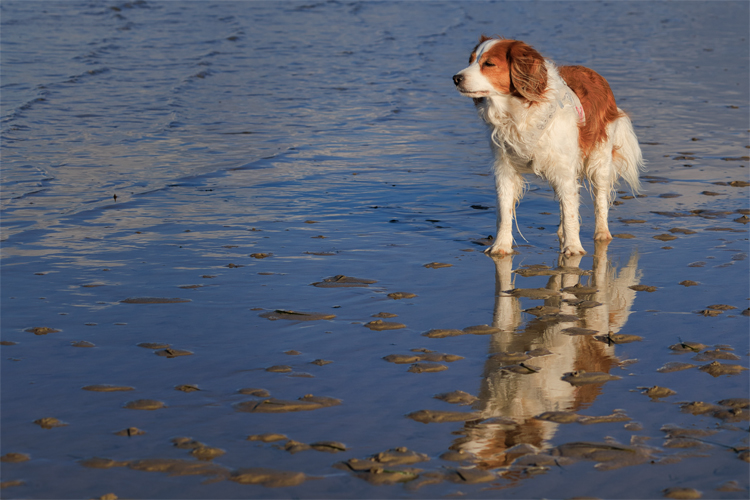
{"x":564,"y":98}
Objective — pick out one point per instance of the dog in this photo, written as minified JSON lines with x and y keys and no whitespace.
{"x":560,"y":123}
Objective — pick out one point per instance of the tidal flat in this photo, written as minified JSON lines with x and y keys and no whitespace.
{"x":242,"y":257}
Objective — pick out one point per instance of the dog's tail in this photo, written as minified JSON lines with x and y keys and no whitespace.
{"x":626,"y":153}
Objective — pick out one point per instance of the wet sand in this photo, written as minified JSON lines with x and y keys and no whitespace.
{"x":312,"y":315}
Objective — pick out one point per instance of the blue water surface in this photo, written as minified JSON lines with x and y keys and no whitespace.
{"x":150,"y":149}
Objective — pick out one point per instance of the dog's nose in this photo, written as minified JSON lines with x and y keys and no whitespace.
{"x":457,"y":79}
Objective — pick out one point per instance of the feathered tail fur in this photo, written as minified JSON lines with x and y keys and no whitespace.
{"x":627,"y":157}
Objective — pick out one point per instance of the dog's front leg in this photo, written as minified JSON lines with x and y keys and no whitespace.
{"x":509,"y":185}
{"x":570,"y":226}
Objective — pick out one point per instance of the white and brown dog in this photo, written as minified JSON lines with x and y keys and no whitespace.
{"x":561,"y":124}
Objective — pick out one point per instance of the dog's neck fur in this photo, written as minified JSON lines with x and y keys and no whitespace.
{"x":517,"y":125}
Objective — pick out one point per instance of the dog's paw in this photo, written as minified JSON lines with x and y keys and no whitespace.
{"x":499,"y":250}
{"x":603,"y":235}
{"x":571,"y":250}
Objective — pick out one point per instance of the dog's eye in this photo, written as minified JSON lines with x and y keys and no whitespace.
{"x":488,"y":64}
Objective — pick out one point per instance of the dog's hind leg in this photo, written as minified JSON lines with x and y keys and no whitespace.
{"x":601,"y":174}
{"x":601,"y":211}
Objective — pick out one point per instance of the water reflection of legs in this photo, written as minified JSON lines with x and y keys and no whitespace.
{"x":507,"y":313}
{"x":559,"y":340}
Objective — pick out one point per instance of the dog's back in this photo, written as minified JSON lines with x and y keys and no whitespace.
{"x":605,"y":124}
{"x":598,"y":103}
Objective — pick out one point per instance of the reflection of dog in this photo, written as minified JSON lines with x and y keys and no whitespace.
{"x":518,"y":398}
{"x":559,"y":123}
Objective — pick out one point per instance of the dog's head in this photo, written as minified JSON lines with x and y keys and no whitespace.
{"x":503,"y":67}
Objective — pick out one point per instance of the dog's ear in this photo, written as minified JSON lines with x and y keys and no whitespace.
{"x":528,"y":74}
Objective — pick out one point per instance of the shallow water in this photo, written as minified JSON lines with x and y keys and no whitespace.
{"x":149,"y":149}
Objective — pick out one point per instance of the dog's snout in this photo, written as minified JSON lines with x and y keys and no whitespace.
{"x":457,"y":79}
